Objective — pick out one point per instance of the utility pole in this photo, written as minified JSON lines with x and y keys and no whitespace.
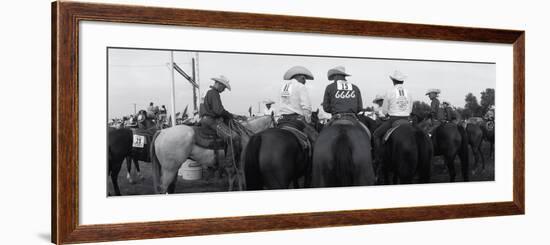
{"x":173,"y":117}
{"x":194,"y":88}
{"x":135,"y":109}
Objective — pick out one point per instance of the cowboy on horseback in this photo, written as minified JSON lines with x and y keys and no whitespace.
{"x":397,"y":104}
{"x":268,"y":111}
{"x":379,"y":101}
{"x":341,"y":97}
{"x":295,"y":103}
{"x":214,"y":116}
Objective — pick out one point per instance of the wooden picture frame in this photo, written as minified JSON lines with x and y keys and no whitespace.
{"x":65,"y":121}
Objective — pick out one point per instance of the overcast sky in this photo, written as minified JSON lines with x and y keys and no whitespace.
{"x":143,"y":76}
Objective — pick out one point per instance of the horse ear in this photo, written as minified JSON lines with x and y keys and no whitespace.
{"x":317,"y":111}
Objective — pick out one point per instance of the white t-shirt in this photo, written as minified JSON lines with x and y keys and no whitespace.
{"x":295,"y":99}
{"x":397,"y":102}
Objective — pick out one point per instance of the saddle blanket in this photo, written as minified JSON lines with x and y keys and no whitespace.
{"x":141,"y":140}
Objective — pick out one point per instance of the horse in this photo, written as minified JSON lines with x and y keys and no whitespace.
{"x":136,"y":155}
{"x":488,"y":129}
{"x":450,"y":140}
{"x":173,"y":146}
{"x":342,"y":156}
{"x":475,"y":139}
{"x":275,"y":158}
{"x":119,"y":145}
{"x":406,"y":153}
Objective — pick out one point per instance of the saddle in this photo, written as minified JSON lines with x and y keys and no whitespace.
{"x":208,"y":139}
{"x":348,"y":119}
{"x":301,"y":136}
{"x":394,"y":126}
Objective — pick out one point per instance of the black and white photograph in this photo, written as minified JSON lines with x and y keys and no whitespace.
{"x":188,"y":121}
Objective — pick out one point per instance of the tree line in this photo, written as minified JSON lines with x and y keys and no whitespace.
{"x":471,"y":108}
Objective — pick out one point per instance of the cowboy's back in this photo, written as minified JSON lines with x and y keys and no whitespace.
{"x":398,"y":102}
{"x":295,"y":99}
{"x":342,"y":97}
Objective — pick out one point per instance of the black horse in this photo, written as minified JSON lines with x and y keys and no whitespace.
{"x":488,"y":129}
{"x":475,"y":139}
{"x":406,"y":153}
{"x":342,"y":156}
{"x":118,"y":148}
{"x":275,"y":158}
{"x":451,"y":140}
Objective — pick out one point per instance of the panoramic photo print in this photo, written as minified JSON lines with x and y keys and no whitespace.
{"x":189,"y":121}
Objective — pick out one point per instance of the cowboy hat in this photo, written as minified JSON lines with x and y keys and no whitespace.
{"x":223,"y":80}
{"x":377,"y":98}
{"x":269,"y":102}
{"x":298,"y":70}
{"x":398,"y":76}
{"x":339,"y":70}
{"x":433,"y":90}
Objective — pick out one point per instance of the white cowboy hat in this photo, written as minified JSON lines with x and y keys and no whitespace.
{"x":339,"y":70}
{"x":223,"y":80}
{"x":377,"y":98}
{"x":298,"y":70}
{"x":398,"y":76}
{"x":269,"y":101}
{"x":433,"y":90}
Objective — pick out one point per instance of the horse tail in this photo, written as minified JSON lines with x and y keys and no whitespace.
{"x":155,"y":164}
{"x":425,"y":154}
{"x":252,"y":172}
{"x":343,"y":162}
{"x":464,"y":153}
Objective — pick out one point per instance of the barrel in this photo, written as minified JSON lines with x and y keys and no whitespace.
{"x":190,"y":170}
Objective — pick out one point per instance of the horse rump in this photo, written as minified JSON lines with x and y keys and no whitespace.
{"x":155,"y":164}
{"x":343,"y":174}
{"x":425,"y":155}
{"x":252,"y":163}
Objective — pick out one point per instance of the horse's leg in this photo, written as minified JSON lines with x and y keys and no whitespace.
{"x":481,"y":156}
{"x":168,"y":181}
{"x":449,"y":161}
{"x":172,"y":187}
{"x":129,"y":169}
{"x":136,"y":164}
{"x":492,"y":154}
{"x":115,"y":169}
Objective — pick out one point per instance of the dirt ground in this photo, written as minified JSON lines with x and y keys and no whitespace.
{"x":209,"y":183}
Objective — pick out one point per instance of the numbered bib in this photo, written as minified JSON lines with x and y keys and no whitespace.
{"x":139,"y":141}
{"x":286,"y":90}
{"x":402,"y":101}
{"x":341,"y":85}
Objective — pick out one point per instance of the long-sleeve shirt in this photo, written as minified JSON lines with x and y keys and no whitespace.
{"x":435,"y":110}
{"x":294,"y":98}
{"x":398,"y":102}
{"x":342,"y":97}
{"x":213,"y":105}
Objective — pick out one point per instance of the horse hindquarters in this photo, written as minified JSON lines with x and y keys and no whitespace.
{"x":425,"y":155}
{"x":344,"y":171}
{"x":252,"y":163}
{"x":155,"y":165}
{"x":464,"y":154}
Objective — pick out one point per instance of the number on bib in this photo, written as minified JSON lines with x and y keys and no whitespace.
{"x":139,"y":141}
{"x":286,"y":90}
